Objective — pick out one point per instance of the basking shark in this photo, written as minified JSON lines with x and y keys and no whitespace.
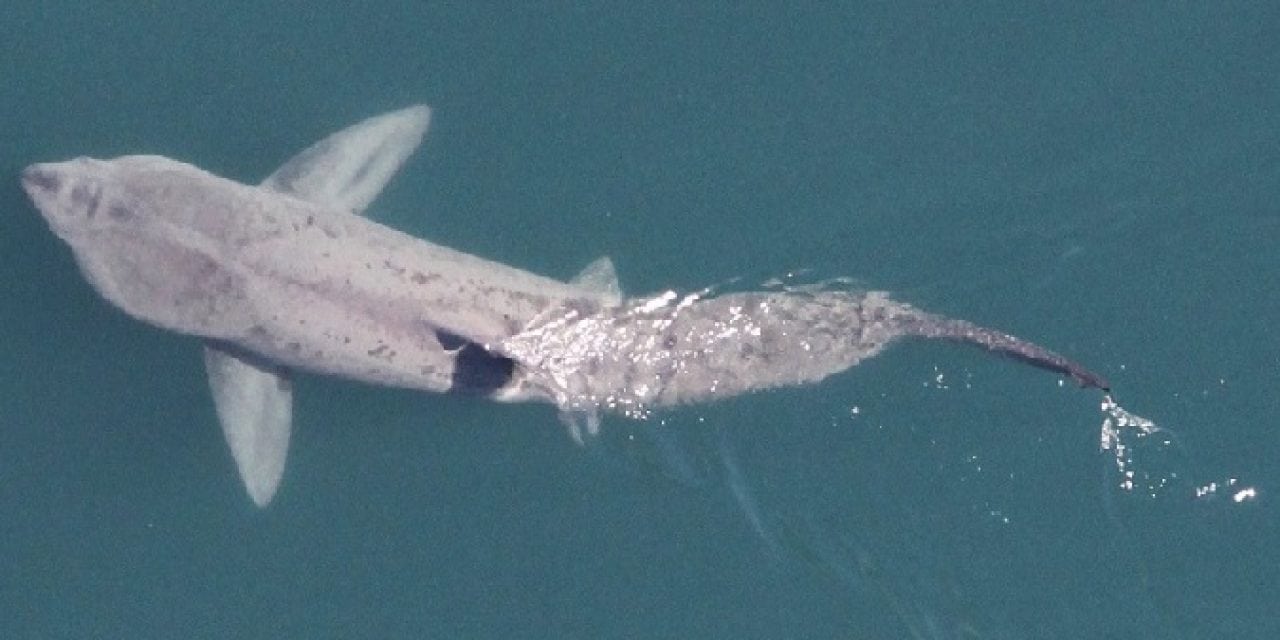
{"x":288,"y":276}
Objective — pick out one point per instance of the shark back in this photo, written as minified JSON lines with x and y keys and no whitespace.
{"x":672,"y":350}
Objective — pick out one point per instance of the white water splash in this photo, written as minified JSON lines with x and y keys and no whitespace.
{"x":1124,"y":434}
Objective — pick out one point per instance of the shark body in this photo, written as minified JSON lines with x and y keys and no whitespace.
{"x":287,"y":276}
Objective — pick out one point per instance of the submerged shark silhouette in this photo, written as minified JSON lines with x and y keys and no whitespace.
{"x":287,"y":276}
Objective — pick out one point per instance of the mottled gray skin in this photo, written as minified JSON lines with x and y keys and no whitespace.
{"x":304,"y":287}
{"x":287,"y":276}
{"x":291,"y":282}
{"x":669,"y":351}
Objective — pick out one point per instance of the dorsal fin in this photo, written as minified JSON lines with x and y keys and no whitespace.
{"x":602,"y":278}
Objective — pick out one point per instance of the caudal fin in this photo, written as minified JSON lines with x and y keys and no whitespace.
{"x":927,"y":325}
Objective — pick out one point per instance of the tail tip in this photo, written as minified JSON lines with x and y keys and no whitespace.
{"x":1090,"y":380}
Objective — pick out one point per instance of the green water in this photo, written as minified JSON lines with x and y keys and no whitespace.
{"x":1102,"y":180}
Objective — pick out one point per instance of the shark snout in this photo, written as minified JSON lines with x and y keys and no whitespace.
{"x":41,"y":181}
{"x":65,"y":196}
{"x":44,"y":184}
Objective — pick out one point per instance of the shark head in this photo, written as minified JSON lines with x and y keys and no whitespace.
{"x":145,"y":232}
{"x":85,"y":198}
{"x":117,"y":216}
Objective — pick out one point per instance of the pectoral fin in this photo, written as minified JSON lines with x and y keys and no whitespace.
{"x":345,"y":171}
{"x":348,"y":169}
{"x":255,"y":408}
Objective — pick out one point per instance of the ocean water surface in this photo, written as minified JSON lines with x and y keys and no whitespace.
{"x":1103,"y":180}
